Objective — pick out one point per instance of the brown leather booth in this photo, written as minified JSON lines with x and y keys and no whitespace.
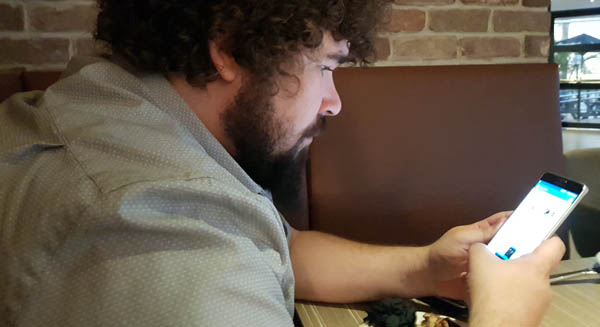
{"x":417,"y":150}
{"x":18,"y":80}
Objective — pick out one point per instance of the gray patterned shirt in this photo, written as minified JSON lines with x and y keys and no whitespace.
{"x":119,"y":208}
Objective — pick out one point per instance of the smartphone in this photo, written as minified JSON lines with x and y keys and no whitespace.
{"x":537,"y":217}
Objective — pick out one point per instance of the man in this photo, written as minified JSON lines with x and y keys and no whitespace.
{"x":135,"y":191}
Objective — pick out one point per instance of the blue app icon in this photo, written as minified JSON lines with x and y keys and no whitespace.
{"x":507,"y":254}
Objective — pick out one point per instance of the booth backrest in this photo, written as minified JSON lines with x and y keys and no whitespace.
{"x":417,"y":150}
{"x":17,"y":80}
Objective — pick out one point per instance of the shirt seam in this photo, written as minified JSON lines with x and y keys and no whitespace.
{"x":102,"y":190}
{"x":67,"y":144}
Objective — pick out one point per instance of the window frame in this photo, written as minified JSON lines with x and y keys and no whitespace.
{"x":574,"y":48}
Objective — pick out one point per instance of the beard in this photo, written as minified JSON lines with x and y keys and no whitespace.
{"x":251,"y":124}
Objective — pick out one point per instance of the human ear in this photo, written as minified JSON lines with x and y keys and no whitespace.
{"x":226,"y":66}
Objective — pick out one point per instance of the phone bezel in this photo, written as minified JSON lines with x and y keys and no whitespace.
{"x":575,"y":187}
{"x":562,"y":182}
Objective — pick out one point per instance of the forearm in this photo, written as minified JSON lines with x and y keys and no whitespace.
{"x":331,"y":269}
{"x":502,"y":317}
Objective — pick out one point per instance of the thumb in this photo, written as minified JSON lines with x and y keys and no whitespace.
{"x":479,"y":255}
{"x":549,"y":253}
{"x":481,"y":263}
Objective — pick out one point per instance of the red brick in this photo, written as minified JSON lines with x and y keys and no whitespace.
{"x":537,"y":46}
{"x":11,"y":18}
{"x":89,"y":47}
{"x":424,"y":2}
{"x":382,"y":49}
{"x":489,"y":47}
{"x":490,"y":2}
{"x":75,"y":18}
{"x":34,"y":51}
{"x":404,"y":21}
{"x":430,"y":47}
{"x":521,"y":21}
{"x":459,"y":20}
{"x":536,"y":3}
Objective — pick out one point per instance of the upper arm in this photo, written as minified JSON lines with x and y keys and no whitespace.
{"x":178,"y":258}
{"x":294,"y":233}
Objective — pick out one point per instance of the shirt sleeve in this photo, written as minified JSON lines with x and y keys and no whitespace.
{"x":286,"y":227}
{"x":171,"y":255}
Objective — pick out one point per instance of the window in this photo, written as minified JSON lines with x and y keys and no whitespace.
{"x":575,"y":48}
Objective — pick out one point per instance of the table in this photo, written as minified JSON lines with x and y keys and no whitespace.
{"x":575,"y":303}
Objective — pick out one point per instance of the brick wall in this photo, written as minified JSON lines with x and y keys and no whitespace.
{"x":439,"y":32}
{"x":42,"y":35}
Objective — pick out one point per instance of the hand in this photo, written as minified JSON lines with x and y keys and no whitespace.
{"x":449,"y":256}
{"x":511,"y":293}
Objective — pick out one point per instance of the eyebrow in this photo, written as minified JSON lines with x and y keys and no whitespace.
{"x":338,"y":57}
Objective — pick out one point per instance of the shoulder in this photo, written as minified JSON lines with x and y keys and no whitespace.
{"x":116,"y":133}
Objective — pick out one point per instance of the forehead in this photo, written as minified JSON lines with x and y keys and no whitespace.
{"x":331,"y":46}
{"x":329,"y":49}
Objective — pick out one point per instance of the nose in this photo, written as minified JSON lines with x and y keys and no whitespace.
{"x":331,"y":104}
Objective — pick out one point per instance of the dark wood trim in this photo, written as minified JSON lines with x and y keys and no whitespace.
{"x":575,"y":13}
{"x":577,"y":48}
{"x":580,"y":86}
{"x":581,"y":125}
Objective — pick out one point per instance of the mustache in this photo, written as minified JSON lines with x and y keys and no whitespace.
{"x":316,"y":128}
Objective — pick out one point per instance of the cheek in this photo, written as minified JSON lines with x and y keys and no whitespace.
{"x":299,"y":112}
{"x":311,"y":104}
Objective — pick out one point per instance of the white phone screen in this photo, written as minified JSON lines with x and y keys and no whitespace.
{"x":529,"y":225}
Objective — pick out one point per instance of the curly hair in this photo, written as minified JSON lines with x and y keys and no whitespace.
{"x":172,"y":36}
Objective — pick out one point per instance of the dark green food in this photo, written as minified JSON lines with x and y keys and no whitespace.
{"x":391,"y":313}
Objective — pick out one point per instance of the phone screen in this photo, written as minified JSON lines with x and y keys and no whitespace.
{"x":535,"y":218}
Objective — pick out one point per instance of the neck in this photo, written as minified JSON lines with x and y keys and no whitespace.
{"x":208,"y":104}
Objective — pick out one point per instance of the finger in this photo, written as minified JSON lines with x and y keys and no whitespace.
{"x":499,"y":217}
{"x":549,"y":253}
{"x":484,"y":230}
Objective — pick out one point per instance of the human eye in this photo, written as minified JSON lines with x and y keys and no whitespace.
{"x":326,"y":68}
